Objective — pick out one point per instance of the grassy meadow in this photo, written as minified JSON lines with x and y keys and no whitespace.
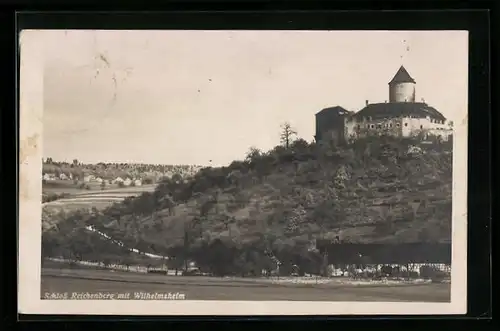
{"x":73,"y":197}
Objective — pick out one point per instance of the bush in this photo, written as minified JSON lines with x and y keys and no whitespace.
{"x":429,"y":272}
{"x":156,"y":271}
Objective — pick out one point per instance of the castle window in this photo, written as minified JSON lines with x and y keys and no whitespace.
{"x":390,"y":125}
{"x":372,"y":126}
{"x":406,"y":124}
{"x":398,"y":125}
{"x":421,"y":126}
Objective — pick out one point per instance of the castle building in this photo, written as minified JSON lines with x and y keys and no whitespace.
{"x":402,"y":116}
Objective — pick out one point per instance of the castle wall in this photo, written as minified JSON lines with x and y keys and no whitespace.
{"x":356,"y":128}
{"x":334,"y":136}
{"x":427,"y":126}
{"x":402,"y":92}
{"x":329,"y":125}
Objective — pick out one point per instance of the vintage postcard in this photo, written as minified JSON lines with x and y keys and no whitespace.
{"x":243,"y":172}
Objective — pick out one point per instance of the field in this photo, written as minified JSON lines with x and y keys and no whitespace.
{"x":211,"y":288}
{"x":67,"y":186}
{"x":84,"y":199}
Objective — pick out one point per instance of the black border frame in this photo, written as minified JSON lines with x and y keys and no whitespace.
{"x":480,"y":124}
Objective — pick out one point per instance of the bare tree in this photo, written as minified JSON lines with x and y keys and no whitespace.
{"x":287,"y":134}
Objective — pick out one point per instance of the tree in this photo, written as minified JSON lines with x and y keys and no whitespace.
{"x":324,"y":265}
{"x":176,"y":178}
{"x":253,"y":154}
{"x":287,"y":134}
{"x":75,"y":162}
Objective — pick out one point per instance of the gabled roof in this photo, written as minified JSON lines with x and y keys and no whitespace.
{"x":396,"y":109}
{"x":402,"y":76}
{"x":339,"y":110}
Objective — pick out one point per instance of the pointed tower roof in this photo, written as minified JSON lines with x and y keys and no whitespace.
{"x":402,"y":76}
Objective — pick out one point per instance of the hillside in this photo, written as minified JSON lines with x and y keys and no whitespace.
{"x":379,"y":190}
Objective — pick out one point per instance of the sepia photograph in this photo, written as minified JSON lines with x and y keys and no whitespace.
{"x":239,"y":172}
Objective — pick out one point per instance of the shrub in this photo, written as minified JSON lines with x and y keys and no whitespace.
{"x":429,"y":272}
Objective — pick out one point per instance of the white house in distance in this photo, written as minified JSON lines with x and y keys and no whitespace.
{"x":88,"y":178}
{"x":48,"y":177}
{"x":118,"y":180}
{"x":402,"y":116}
{"x":137,"y":182}
{"x":127,"y":182}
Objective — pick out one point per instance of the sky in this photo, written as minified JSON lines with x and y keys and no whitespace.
{"x":206,"y":97}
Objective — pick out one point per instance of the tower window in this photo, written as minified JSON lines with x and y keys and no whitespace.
{"x":372,"y":126}
{"x":398,"y":125}
{"x":421,"y":126}
{"x":406,"y":124}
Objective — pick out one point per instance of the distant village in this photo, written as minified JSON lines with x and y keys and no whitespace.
{"x":113,"y":174}
{"x":402,"y":116}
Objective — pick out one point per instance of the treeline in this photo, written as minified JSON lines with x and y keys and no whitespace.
{"x":223,"y":257}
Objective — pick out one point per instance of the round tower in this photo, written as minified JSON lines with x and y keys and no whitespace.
{"x":402,"y":87}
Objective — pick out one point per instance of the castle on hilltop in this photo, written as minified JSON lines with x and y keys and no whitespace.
{"x":401,"y":117}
